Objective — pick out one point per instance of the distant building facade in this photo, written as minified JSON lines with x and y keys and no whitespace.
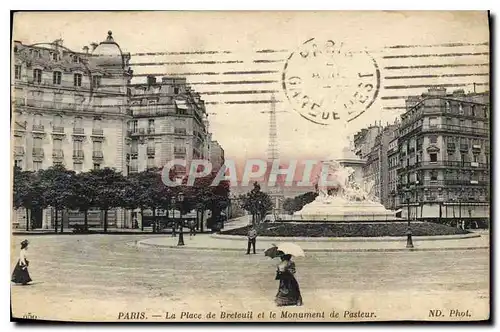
{"x":70,"y":108}
{"x":216,"y":155}
{"x":80,"y":110}
{"x":444,"y":151}
{"x":168,"y":123}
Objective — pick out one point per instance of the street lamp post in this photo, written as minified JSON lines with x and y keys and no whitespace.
{"x":180,"y":199}
{"x":409,"y":240}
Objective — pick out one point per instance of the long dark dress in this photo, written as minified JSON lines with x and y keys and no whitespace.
{"x":288,"y":291}
{"x":21,"y":274}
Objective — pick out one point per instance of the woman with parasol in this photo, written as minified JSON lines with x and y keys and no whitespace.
{"x":20,"y":274}
{"x":288,"y":290}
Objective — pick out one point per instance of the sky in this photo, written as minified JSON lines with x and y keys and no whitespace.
{"x":236,"y":61}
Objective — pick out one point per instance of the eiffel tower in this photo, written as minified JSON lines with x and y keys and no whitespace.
{"x":276,"y":192}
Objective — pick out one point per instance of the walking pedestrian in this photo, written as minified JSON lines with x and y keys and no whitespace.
{"x":288,"y":289}
{"x":192,"y":228}
{"x":20,"y":274}
{"x":252,"y":238}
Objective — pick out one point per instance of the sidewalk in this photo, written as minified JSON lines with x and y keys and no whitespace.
{"x":208,"y":242}
{"x":230,"y":224}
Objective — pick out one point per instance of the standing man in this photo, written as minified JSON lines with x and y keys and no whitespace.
{"x":252,"y":237}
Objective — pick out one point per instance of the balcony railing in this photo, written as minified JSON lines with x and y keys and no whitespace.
{"x":97,"y":155}
{"x":57,"y":153}
{"x":150,"y":151}
{"x":78,"y":154}
{"x":180,"y":131}
{"x":78,"y":131}
{"x":97,"y":132}
{"x":451,"y":146}
{"x":464,"y":147}
{"x":447,"y":163}
{"x":38,"y":152}
{"x":460,"y":129}
{"x":179,"y":150}
{"x":57,"y":129}
{"x":40,"y":128}
{"x":476,"y":147}
{"x":151,"y":130}
{"x":19,"y":150}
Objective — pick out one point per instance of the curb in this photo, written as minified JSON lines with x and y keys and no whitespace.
{"x":159,"y":246}
{"x":346,"y":239}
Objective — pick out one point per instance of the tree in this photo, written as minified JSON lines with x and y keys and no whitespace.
{"x":58,"y":189}
{"x":85,"y":193}
{"x":110,"y":190}
{"x":258,"y":203}
{"x":289,"y":205}
{"x":27,"y":192}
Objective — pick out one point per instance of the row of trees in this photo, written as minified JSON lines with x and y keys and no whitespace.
{"x":105,"y":189}
{"x":291,"y":205}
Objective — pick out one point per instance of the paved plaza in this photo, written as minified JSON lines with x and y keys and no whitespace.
{"x":82,"y":276}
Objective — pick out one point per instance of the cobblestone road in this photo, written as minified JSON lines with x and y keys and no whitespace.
{"x":78,"y":277}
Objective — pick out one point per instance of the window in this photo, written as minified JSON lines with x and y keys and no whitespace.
{"x":134,"y":126}
{"x":77,"y":80}
{"x":37,"y":143}
{"x":18,"y":163}
{"x":17,"y":72}
{"x":433,"y":157}
{"x":57,"y":144}
{"x":97,"y":166}
{"x":54,"y":56}
{"x":96,"y":81}
{"x":433,"y":122}
{"x":97,"y":146}
{"x":56,"y":77}
{"x":151,"y":124}
{"x":473,"y":110}
{"x":97,"y":123}
{"x":77,"y":167}
{"x":37,"y":75}
{"x":76,"y":58}
{"x":57,"y":163}
{"x":464,"y":157}
{"x":433,"y":139}
{"x":447,"y":106}
{"x":434,"y":176}
{"x":78,"y":122}
{"x":460,"y":108}
{"x":176,"y":90}
{"x":77,"y":145}
{"x":37,"y":165}
{"x":151,"y":162}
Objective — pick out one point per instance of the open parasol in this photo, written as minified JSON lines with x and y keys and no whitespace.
{"x":286,"y":248}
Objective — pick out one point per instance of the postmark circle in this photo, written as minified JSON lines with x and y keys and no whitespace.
{"x":327,"y":83}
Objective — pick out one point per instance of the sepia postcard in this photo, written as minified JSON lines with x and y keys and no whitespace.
{"x":295,"y":166}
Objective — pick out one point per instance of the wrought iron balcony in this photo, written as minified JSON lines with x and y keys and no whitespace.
{"x":39,"y":128}
{"x":58,"y":129}
{"x":38,"y":152}
{"x":179,"y":149}
{"x":150,"y":151}
{"x":180,"y":131}
{"x":78,"y":131}
{"x":97,"y":132}
{"x":19,"y":150}
{"x":464,"y":147}
{"x":97,"y":155}
{"x":58,"y":153}
{"x":78,"y":154}
{"x":151,"y":130}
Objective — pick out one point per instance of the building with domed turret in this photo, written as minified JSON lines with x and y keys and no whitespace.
{"x":70,"y":108}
